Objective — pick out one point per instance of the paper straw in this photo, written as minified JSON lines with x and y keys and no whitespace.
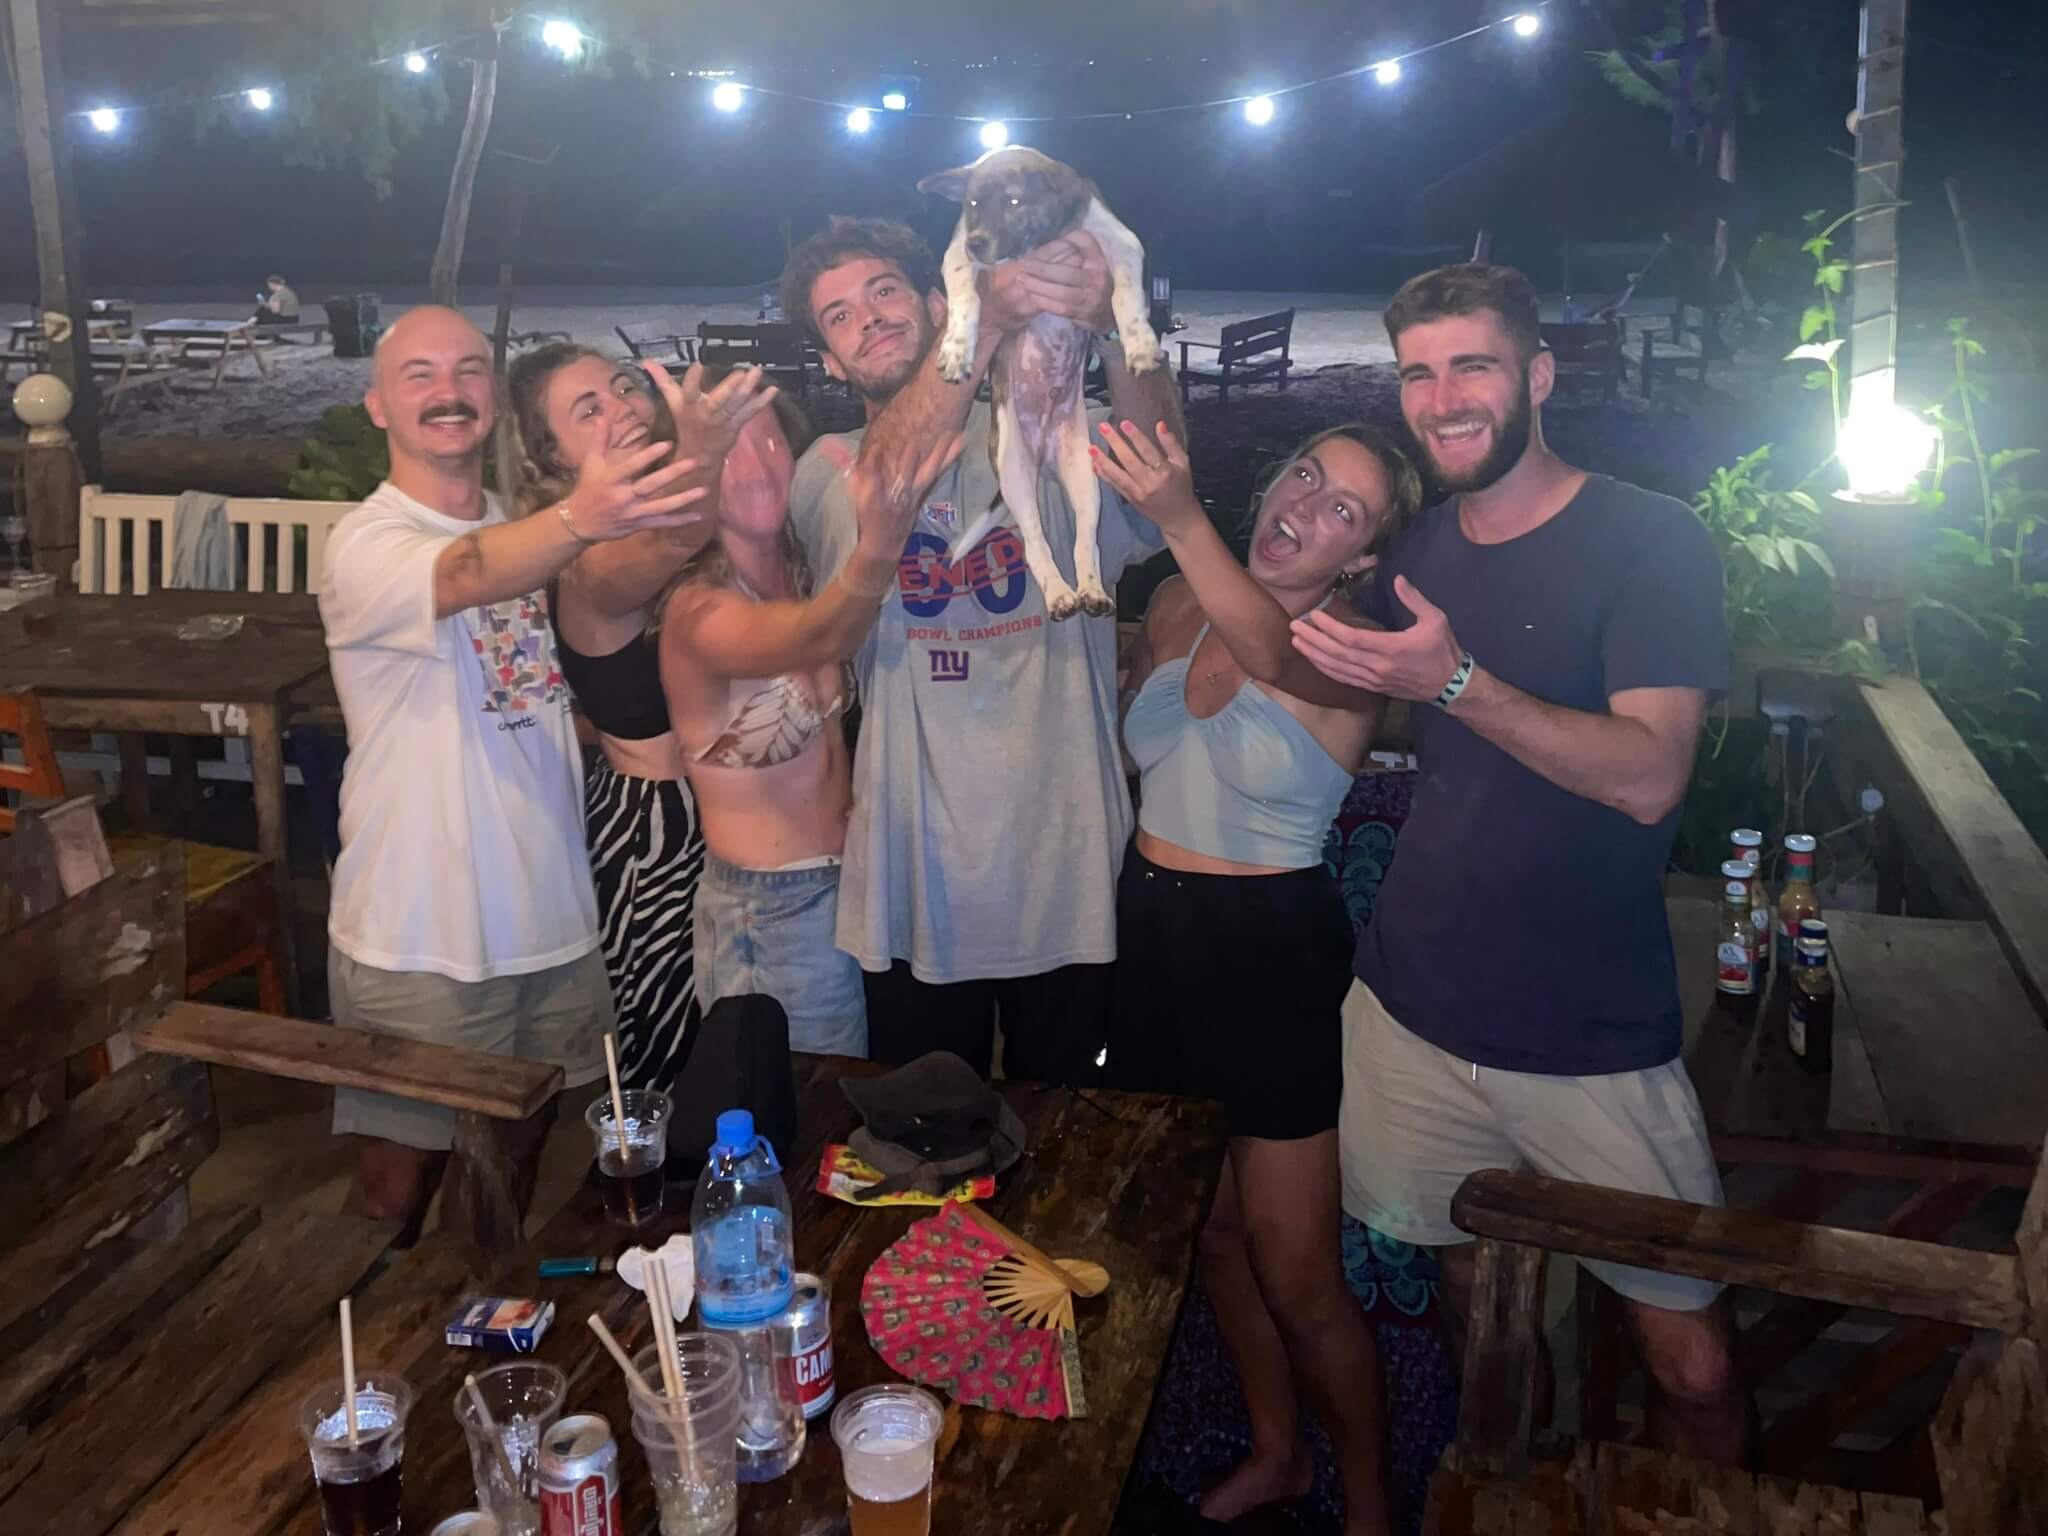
{"x":611,"y":1067}
{"x":348,"y":1372}
{"x":483,"y":1414}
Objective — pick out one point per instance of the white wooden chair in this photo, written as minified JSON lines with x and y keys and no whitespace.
{"x":126,"y":543}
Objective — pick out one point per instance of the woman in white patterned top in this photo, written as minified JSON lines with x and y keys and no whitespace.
{"x":754,"y":666}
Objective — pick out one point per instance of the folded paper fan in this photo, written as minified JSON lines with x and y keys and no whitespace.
{"x":930,"y":1319}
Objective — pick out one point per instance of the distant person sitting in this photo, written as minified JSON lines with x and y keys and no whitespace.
{"x":277,"y":304}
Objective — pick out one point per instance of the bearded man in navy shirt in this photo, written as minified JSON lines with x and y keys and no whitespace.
{"x":1561,"y":633}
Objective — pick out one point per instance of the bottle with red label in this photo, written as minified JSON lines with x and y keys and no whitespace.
{"x":1735,"y":973}
{"x":1747,"y":844}
{"x":1797,"y":901}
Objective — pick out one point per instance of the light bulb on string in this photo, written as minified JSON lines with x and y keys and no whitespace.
{"x":1259,"y":111}
{"x":728,"y":95}
{"x":1528,"y":24}
{"x":105,"y":119}
{"x":859,"y":120}
{"x":1387,"y":73}
{"x":416,"y":63}
{"x":565,"y":37}
{"x":260,"y":98}
{"x":994,"y":134}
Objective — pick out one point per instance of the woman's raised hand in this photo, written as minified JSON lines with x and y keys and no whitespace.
{"x":707,"y":421}
{"x":889,"y":488}
{"x":632,"y":492}
{"x":1153,"y":476}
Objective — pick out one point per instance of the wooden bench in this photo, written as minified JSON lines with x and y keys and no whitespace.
{"x":1985,"y":1441}
{"x":129,"y":1323}
{"x":314,"y":331}
{"x":1250,"y":352}
{"x":1588,"y":353}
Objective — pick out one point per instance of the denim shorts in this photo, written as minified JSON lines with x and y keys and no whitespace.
{"x":771,"y":932}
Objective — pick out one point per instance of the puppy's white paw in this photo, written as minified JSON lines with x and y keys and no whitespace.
{"x":1142,"y":352}
{"x":1061,"y":601}
{"x":1095,"y":602}
{"x":956,"y":357}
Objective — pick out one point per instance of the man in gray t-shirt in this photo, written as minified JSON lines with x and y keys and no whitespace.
{"x":990,"y":812}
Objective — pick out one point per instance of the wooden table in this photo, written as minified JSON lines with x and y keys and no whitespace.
{"x":1122,"y":1178}
{"x":1935,"y":1038}
{"x":116,"y":664}
{"x":225,"y":336}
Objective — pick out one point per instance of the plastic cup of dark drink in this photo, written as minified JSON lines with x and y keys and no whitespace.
{"x":359,"y":1484}
{"x":888,"y":1437}
{"x":629,"y":1167}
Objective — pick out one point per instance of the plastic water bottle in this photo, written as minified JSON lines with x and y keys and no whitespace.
{"x":743,"y":1237}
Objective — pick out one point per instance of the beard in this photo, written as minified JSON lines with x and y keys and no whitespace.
{"x":880,"y":384}
{"x":1510,"y":441}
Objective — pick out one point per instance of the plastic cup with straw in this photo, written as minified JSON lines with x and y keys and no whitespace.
{"x":639,"y":1143}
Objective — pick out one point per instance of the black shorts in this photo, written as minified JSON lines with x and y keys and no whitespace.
{"x":1231,"y":987}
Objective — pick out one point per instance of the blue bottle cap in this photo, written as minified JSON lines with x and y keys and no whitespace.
{"x":735,"y":1132}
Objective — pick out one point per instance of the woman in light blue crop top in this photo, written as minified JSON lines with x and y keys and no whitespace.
{"x":1233,"y":949}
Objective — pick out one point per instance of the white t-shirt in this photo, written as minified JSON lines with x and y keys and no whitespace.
{"x":462,"y":843}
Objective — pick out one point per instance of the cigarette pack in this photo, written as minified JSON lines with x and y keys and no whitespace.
{"x":510,"y":1325}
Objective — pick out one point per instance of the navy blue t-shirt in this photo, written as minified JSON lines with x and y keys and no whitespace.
{"x":1520,"y":926}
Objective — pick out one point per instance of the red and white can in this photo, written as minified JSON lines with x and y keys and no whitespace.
{"x":806,"y":1341}
{"x":579,"y":1479}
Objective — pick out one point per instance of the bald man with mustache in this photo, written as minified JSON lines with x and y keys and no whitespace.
{"x":462,"y":908}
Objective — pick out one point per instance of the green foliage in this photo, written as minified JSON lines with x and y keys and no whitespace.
{"x":1820,"y":338}
{"x":1975,"y":613}
{"x":344,"y":460}
{"x":1775,"y":574}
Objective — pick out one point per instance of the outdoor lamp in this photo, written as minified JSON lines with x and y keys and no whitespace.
{"x":42,"y":401}
{"x":895,"y":101}
{"x":1883,"y":448}
{"x":416,"y":62}
{"x":260,"y":98}
{"x":1387,"y":73}
{"x":1527,"y":24}
{"x":106,"y":119}
{"x":994,"y":134}
{"x":1259,"y":111}
{"x":727,"y":95}
{"x":859,"y":120}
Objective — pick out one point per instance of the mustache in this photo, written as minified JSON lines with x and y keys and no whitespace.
{"x":453,"y":410}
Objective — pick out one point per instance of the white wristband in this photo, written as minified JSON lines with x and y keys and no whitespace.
{"x":1457,"y":683}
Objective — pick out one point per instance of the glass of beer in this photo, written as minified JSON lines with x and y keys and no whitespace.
{"x":629,"y":1167}
{"x":358,"y":1484}
{"x":887,"y":1438}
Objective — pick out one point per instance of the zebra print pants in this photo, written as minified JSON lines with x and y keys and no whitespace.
{"x":646,"y":851}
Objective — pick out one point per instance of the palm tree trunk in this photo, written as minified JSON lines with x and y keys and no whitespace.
{"x":476,"y":128}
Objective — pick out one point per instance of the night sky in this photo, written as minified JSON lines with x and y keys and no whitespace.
{"x":651,"y":186}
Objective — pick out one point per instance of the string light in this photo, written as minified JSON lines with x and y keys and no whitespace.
{"x":106,"y":119}
{"x":994,"y":135}
{"x":260,"y":98}
{"x":565,"y":37}
{"x":859,"y":120}
{"x":416,"y":63}
{"x":1528,"y":24}
{"x":895,"y":101}
{"x":1259,"y":111}
{"x":728,"y":95}
{"x":1388,"y":72}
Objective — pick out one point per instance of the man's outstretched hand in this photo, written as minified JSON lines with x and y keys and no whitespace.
{"x":1413,"y":663}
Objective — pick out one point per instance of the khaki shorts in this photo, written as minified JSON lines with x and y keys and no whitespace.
{"x":1416,"y":1120}
{"x":559,"y":1015}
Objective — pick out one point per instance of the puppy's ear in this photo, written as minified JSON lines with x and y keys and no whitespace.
{"x":951,"y":185}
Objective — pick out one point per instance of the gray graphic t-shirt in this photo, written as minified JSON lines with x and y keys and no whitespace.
{"x":989,"y":806}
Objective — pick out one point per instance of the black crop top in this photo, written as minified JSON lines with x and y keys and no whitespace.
{"x":621,"y":693}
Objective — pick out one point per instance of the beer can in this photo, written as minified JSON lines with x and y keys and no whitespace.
{"x":806,"y":1330}
{"x":471,"y":1522}
{"x":579,"y":1479}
